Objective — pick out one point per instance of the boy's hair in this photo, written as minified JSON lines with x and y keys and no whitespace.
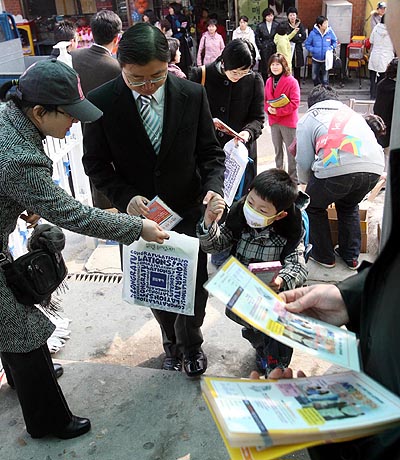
{"x":141,"y":44}
{"x":238,"y":54}
{"x":105,"y":25}
{"x":292,"y":9}
{"x":282,"y":28}
{"x":64,"y":31}
{"x":320,"y":20}
{"x":173,"y":44}
{"x":322,"y":93}
{"x":278,"y":57}
{"x":267,"y":12}
{"x":276,"y":186}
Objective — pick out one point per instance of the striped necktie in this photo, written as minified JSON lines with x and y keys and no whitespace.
{"x":151,"y":121}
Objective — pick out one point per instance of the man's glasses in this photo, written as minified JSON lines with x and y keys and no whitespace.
{"x":152,"y":81}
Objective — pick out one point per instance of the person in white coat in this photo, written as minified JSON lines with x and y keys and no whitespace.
{"x":382,"y":53}
{"x":244,"y":31}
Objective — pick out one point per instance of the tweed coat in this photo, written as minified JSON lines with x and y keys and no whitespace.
{"x":26,"y":184}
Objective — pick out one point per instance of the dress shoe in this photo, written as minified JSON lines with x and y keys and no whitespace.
{"x":172,"y":364}
{"x":76,"y":427}
{"x":195,"y":364}
{"x":58,"y":371}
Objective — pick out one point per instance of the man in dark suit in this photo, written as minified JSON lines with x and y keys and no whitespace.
{"x":175,"y":155}
{"x":96,"y":66}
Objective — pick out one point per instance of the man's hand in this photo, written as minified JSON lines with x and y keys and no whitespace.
{"x":151,"y":231}
{"x":138,"y":206}
{"x":320,"y":301}
{"x":215,"y":205}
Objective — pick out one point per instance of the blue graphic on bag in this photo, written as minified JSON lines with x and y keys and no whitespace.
{"x":158,"y":279}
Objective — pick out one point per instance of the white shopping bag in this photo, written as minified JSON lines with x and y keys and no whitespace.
{"x":236,"y":158}
{"x":162,"y":276}
{"x":329,"y":59}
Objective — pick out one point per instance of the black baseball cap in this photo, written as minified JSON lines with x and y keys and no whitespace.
{"x":54,"y":83}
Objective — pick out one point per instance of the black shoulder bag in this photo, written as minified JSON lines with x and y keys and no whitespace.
{"x":34,"y":276}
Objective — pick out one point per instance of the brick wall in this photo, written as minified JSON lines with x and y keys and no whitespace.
{"x":12,"y":6}
{"x":310,"y":9}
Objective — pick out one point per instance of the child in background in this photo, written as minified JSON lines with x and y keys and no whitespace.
{"x":175,"y":58}
{"x":263,"y":226}
{"x":211,"y":44}
{"x":282,"y":42}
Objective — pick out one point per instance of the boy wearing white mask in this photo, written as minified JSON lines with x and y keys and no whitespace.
{"x":263,"y":226}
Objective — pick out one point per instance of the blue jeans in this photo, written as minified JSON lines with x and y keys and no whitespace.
{"x":319,"y":74}
{"x":346,"y":192}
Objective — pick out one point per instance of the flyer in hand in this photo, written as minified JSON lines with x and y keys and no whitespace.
{"x":266,"y":271}
{"x":162,"y":214}
{"x":236,"y":159}
{"x":280,"y":101}
{"x":223,"y":127}
{"x":291,"y":411}
{"x":247,"y":296}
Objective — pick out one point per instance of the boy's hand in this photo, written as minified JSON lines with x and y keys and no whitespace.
{"x":276,"y":284}
{"x":215,"y":208}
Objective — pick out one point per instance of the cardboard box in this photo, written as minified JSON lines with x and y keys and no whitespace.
{"x":333,"y":224}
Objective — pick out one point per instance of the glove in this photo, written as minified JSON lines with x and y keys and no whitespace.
{"x":48,"y":237}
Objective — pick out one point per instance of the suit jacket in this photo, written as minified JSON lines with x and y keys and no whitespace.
{"x":95,"y":66}
{"x":120,"y":159}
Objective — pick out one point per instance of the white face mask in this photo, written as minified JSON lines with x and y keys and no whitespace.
{"x":255,"y":219}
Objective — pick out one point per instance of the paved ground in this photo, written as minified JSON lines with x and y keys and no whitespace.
{"x":113,"y":357}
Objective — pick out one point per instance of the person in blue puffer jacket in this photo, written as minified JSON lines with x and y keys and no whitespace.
{"x":321,"y":39}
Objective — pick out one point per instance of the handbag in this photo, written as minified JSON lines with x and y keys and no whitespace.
{"x":162,"y":276}
{"x":34,"y":276}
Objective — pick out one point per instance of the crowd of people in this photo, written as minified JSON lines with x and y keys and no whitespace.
{"x":153,"y":93}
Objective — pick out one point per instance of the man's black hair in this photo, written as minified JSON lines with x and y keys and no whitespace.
{"x":391,"y":70}
{"x":64,"y":31}
{"x":238,"y":54}
{"x":105,"y":25}
{"x":276,"y":186}
{"x":322,"y":93}
{"x":292,"y":9}
{"x":141,"y":44}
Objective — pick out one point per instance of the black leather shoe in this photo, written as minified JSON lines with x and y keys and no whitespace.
{"x":58,"y":370}
{"x":172,"y":364}
{"x":196,"y":364}
{"x":76,"y":427}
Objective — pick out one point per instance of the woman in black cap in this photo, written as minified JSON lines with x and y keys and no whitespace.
{"x":46,"y":101}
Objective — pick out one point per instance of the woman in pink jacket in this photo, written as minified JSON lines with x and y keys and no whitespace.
{"x":211,"y":44}
{"x":283,"y":114}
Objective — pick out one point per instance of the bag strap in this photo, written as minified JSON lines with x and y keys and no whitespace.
{"x":203,"y":75}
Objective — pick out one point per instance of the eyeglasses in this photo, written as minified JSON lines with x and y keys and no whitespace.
{"x":67,"y":115}
{"x":152,"y":81}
